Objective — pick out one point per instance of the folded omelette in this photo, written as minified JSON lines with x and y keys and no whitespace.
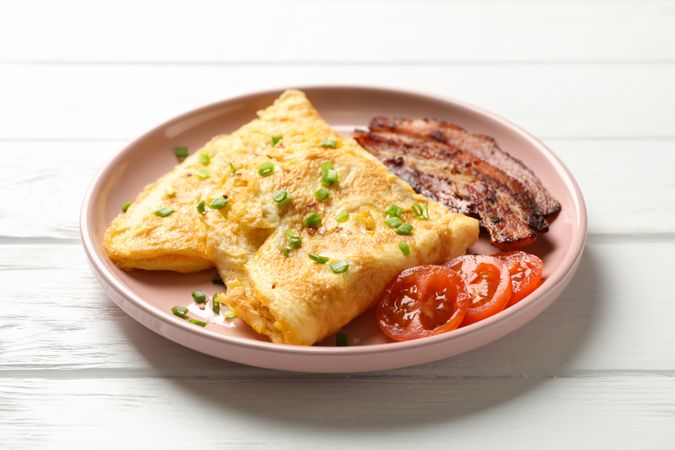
{"x":303,"y":241}
{"x":140,"y":239}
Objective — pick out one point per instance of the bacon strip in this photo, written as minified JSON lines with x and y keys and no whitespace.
{"x":481,"y":146}
{"x":462,"y":182}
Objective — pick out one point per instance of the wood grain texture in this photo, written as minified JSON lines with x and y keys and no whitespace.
{"x":61,"y":324}
{"x":326,"y":412}
{"x":365,"y":30}
{"x":568,"y":101}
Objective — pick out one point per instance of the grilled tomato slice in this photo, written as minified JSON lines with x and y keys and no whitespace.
{"x":525,"y":269}
{"x":422,"y":301}
{"x":488,"y":283}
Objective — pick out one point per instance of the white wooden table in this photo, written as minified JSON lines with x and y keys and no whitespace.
{"x":595,"y":80}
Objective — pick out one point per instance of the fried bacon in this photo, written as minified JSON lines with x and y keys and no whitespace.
{"x":480,"y":146}
{"x":457,"y":178}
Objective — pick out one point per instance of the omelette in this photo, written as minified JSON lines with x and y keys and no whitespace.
{"x":312,"y":227}
{"x":176,"y":238}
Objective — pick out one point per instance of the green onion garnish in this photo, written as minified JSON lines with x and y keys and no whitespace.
{"x":404,"y":229}
{"x":200,"y":207}
{"x":199,"y":296}
{"x":217,"y":280}
{"x":294,"y":241}
{"x":179,"y":311}
{"x":204,"y":158}
{"x":393,"y":211}
{"x":218,"y":203}
{"x":229,"y":314}
{"x":421,"y":211}
{"x":202,"y":174}
{"x":197,"y":322}
{"x":342,"y":217}
{"x":329,"y":176}
{"x":341,"y":340}
{"x":318,"y":258}
{"x":393,"y":221}
{"x":328,"y":143}
{"x":405,"y":249}
{"x":164,"y":212}
{"x":276,"y":140}
{"x":322,"y":194}
{"x":171,"y":193}
{"x":339,"y":267}
{"x":215,"y":307}
{"x":233,"y":169}
{"x":125,"y":207}
{"x":281,"y":197}
{"x":312,"y":220}
{"x":181,"y":152}
{"x":265,"y":169}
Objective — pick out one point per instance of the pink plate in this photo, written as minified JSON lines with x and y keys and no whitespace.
{"x":149,"y":296}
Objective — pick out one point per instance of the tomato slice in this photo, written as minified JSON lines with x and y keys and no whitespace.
{"x":422,"y":301}
{"x":525,"y":269}
{"x":488,"y":282}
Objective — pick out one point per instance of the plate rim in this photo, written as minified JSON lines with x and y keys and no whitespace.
{"x":570,"y":261}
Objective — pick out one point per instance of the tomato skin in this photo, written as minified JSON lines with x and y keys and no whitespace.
{"x":526,"y":271}
{"x":488,"y":282}
{"x":422,"y":301}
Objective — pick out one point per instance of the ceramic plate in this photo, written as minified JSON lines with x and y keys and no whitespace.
{"x":149,"y":296}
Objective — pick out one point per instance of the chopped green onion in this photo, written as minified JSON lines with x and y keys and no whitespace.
{"x":341,"y":340}
{"x":342,"y":217}
{"x":404,"y":229}
{"x":171,"y":193}
{"x":217,"y":280}
{"x":294,"y":239}
{"x":202,"y":174}
{"x":421,"y":211}
{"x":233,"y":169}
{"x":393,"y":211}
{"x":265,"y":169}
{"x":393,"y":221}
{"x":218,"y":203}
{"x":164,"y":212}
{"x":312,"y":220}
{"x":276,"y":140}
{"x":339,"y":267}
{"x":125,"y":207}
{"x":199,"y":296}
{"x":329,"y":175}
{"x":200,"y":207}
{"x":204,"y":158}
{"x":318,"y":258}
{"x":405,"y":249}
{"x":181,"y":152}
{"x":197,"y":322}
{"x":215,"y":307}
{"x":229,"y":314}
{"x":322,"y":194}
{"x":179,"y":311}
{"x":281,"y":197}
{"x":328,"y":143}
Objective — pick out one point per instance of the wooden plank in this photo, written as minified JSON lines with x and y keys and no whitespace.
{"x":551,"y":101}
{"x":645,"y":191}
{"x":323,"y":412}
{"x":319,"y":32}
{"x":60,"y":322}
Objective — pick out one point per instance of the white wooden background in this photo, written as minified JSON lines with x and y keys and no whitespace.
{"x":594,"y":79}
